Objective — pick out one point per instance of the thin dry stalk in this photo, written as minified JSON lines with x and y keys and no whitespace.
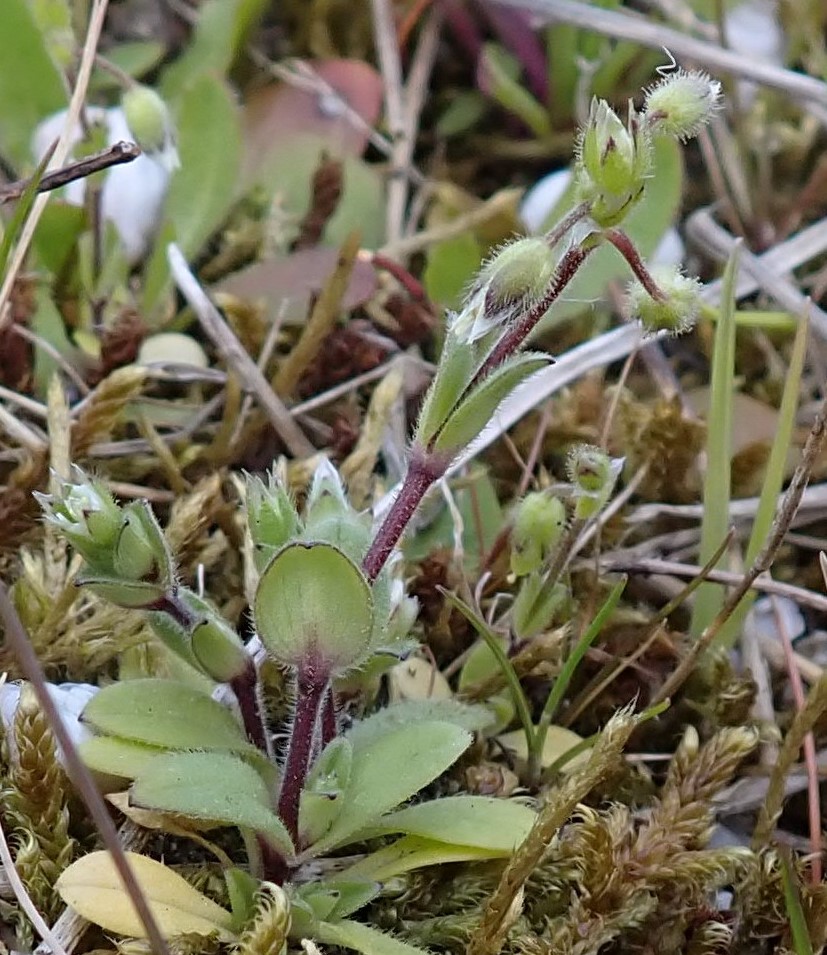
{"x":64,"y":144}
{"x":236,"y":356}
{"x":24,"y":899}
{"x":116,"y":155}
{"x":17,"y":640}
{"x":813,"y":797}
{"x":805,"y":719}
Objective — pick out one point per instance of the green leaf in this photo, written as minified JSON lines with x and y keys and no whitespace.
{"x":363,"y":938}
{"x":135,"y":59}
{"x":214,"y":786}
{"x":31,"y":86}
{"x":709,"y":597}
{"x":464,"y":715}
{"x":477,"y":409}
{"x":164,"y":713}
{"x":93,"y":888}
{"x":241,"y":889}
{"x":388,"y":769}
{"x":458,"y":364}
{"x":481,"y":821}
{"x":323,"y":794}
{"x":502,"y":82}
{"x":223,"y":26}
{"x":802,"y":942}
{"x":287,"y":175}
{"x":311,"y":598}
{"x":202,"y":191}
{"x":118,"y":757}
{"x":57,"y":233}
{"x":414,"y":852}
{"x":450,"y":267}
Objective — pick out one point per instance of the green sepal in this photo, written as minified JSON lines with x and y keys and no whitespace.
{"x":457,"y":365}
{"x":130,"y":595}
{"x":312,"y":601}
{"x":141,"y":552}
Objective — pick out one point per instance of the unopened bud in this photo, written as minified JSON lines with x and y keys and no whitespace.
{"x":271,"y":517}
{"x":538,"y":527}
{"x":592,"y":474}
{"x":676,"y":312}
{"x":141,"y":551}
{"x":682,"y":103}
{"x":149,"y":122}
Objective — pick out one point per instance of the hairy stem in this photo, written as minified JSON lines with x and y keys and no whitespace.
{"x":246,"y":689}
{"x":312,"y":681}
{"x":628,"y":250}
{"x":424,"y":470}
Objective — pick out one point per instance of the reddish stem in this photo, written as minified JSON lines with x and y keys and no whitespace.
{"x":423,"y":470}
{"x":246,"y":689}
{"x":627,"y":249}
{"x":311,"y":687}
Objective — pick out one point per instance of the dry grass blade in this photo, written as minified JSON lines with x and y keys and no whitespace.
{"x":16,"y":638}
{"x":104,"y":407}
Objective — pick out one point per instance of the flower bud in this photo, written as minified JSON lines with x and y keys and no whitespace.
{"x":592,"y":474}
{"x":149,"y":122}
{"x":86,"y":514}
{"x":514,"y":278}
{"x":612,"y":164}
{"x":271,"y":517}
{"x":328,"y":515}
{"x":538,"y":526}
{"x":676,"y":312}
{"x":682,"y":103}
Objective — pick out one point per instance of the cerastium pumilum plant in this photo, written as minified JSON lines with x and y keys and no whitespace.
{"x":329,"y":600}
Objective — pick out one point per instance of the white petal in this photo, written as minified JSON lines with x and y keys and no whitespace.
{"x":542,"y":197}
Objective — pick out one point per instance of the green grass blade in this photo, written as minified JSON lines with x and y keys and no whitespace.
{"x":521,"y":704}
{"x":21,"y":212}
{"x":798,"y":924}
{"x":573,"y":660}
{"x":717,"y":480}
{"x":773,"y":479}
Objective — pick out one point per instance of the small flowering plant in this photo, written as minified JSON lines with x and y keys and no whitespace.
{"x":329,"y":600}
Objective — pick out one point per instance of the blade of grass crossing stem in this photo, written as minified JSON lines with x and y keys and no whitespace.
{"x":573,"y":660}
{"x":717,"y":480}
{"x":509,"y":673}
{"x":21,"y":211}
{"x":773,"y":479}
{"x":802,"y":944}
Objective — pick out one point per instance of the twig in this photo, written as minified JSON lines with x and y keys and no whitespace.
{"x":235,"y":355}
{"x":24,"y":899}
{"x":20,"y":645}
{"x":64,"y":144}
{"x":625,"y":26}
{"x":121,"y":152}
{"x":813,"y":798}
{"x":671,"y":568}
{"x":762,"y":563}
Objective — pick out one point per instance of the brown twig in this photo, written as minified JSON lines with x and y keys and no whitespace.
{"x":121,"y":152}
{"x":762,"y":563}
{"x":18,"y":641}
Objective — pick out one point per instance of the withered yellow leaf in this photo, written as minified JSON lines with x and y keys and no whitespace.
{"x":93,"y":888}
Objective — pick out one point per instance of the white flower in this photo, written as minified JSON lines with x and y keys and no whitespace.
{"x":133,"y":193}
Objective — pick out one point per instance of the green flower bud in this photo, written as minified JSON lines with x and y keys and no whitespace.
{"x":330,"y":517}
{"x":677,"y":312}
{"x":271,"y":517}
{"x":149,"y":122}
{"x":682,"y":103}
{"x":592,"y":474}
{"x":218,"y":648}
{"x":86,"y":514}
{"x":612,"y":163}
{"x":141,"y":551}
{"x":538,"y":527}
{"x":516,"y":276}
